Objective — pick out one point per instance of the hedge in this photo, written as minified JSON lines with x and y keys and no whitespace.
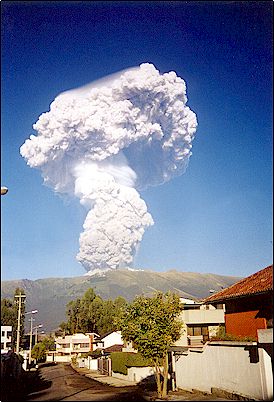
{"x":122,"y":360}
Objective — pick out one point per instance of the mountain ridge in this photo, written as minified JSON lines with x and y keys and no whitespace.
{"x":50,"y":295}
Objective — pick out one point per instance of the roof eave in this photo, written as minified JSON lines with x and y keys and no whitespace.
{"x":225,"y":298}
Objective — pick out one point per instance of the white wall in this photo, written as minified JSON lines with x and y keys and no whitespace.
{"x":135,"y":374}
{"x":227,"y":366}
{"x":115,"y":338}
{"x":59,"y":359}
{"x":91,"y":364}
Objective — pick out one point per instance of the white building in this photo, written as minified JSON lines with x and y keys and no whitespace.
{"x":200,"y":322}
{"x":72,"y":345}
{"x":75,"y":344}
{"x":109,"y":339}
{"x":6,"y":331}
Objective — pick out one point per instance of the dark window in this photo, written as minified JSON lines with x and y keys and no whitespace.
{"x":2,"y":345}
{"x":195,"y":330}
{"x":64,"y":345}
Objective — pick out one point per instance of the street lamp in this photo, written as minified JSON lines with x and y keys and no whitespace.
{"x":30,"y":341}
{"x":36,"y":332}
{"x":4,"y":190}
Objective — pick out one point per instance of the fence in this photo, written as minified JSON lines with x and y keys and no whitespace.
{"x":104,"y":365}
{"x":241,"y":368}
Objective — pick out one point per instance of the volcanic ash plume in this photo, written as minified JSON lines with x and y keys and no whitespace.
{"x":105,"y":142}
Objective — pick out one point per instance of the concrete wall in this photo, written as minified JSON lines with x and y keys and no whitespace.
{"x":237,"y":367}
{"x":59,"y":359}
{"x":91,"y":364}
{"x":135,"y":374}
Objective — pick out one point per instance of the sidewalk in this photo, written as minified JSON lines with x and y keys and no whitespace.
{"x":176,"y":396}
{"x":114,"y":382}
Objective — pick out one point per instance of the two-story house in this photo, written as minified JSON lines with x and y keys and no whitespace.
{"x":72,"y":345}
{"x":200,"y":322}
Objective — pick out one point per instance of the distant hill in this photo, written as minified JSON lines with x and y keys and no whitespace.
{"x":50,"y":296}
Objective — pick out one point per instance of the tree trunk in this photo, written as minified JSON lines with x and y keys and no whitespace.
{"x":165,"y":375}
{"x":158,"y":379}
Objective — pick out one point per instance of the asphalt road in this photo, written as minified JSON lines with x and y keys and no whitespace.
{"x":61,"y":383}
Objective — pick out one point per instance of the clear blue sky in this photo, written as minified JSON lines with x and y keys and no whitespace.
{"x":217,"y":217}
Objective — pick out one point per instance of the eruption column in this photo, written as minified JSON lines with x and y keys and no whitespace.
{"x":106,"y":142}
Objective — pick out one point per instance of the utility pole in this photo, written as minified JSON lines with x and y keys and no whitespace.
{"x":21,"y":299}
{"x":36,"y":332}
{"x":30,"y":340}
{"x":31,"y":312}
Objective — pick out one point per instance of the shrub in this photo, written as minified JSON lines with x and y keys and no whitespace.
{"x":223,"y":336}
{"x":74,"y":360}
{"x":122,"y":360}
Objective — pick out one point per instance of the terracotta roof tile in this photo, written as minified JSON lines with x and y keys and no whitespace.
{"x":114,"y":348}
{"x":260,"y":282}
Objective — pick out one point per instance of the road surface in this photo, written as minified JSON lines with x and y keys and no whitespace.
{"x":61,"y":382}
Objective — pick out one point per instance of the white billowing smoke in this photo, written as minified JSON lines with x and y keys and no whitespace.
{"x":105,"y":142}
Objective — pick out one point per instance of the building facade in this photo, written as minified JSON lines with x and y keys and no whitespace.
{"x":6,"y":338}
{"x":248,"y":304}
{"x":200,"y":322}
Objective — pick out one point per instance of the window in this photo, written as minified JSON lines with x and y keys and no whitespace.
{"x":84,"y":345}
{"x":2,"y":345}
{"x":195,"y":330}
{"x":8,"y":334}
{"x":2,"y":333}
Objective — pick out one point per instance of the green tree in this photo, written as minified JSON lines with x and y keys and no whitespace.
{"x":39,"y":351}
{"x":62,"y":330}
{"x":73,"y":324}
{"x":153,"y":325}
{"x":91,"y":314}
{"x":9,"y":315}
{"x":90,"y":311}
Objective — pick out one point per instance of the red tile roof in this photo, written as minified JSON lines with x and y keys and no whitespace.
{"x":114,"y":348}
{"x":260,"y":282}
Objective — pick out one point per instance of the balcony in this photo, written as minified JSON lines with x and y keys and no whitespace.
{"x":216,"y":316}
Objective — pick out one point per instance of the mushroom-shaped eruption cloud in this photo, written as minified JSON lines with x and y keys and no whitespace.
{"x":104,"y":143}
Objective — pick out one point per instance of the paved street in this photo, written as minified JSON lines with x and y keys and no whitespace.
{"x":62,"y":383}
{"x":68,"y":385}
